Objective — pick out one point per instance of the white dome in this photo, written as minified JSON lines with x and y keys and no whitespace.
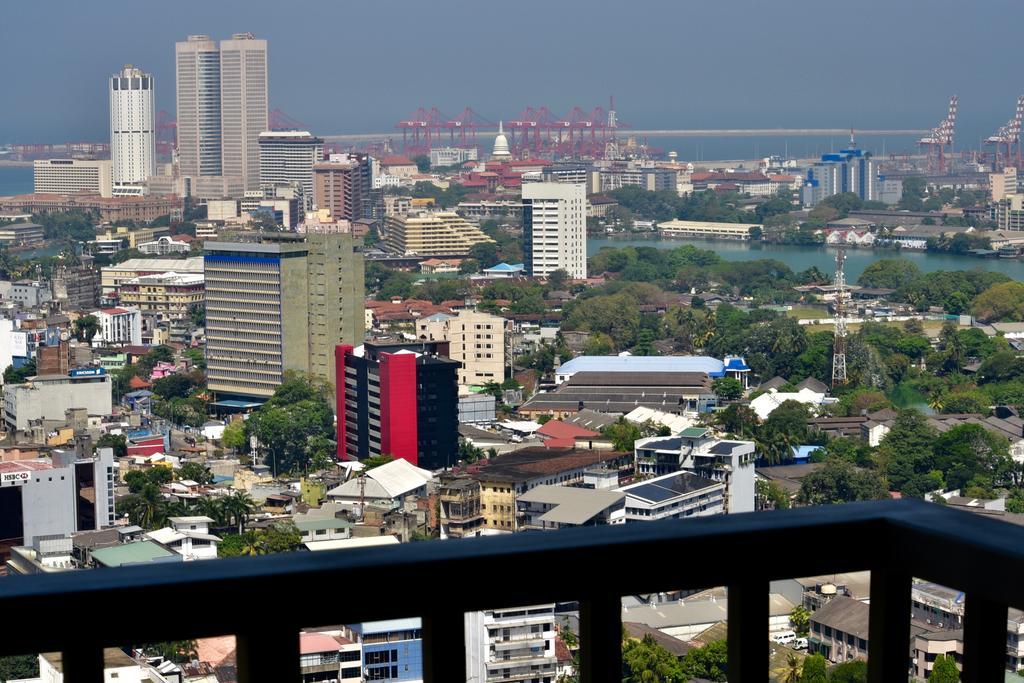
{"x":501,"y":148}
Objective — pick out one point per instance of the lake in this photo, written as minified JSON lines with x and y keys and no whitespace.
{"x":799,"y":257}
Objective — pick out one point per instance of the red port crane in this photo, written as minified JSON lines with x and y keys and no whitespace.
{"x":1007,"y":141}
{"x":940,"y":138}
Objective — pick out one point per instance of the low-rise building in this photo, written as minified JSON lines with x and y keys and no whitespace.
{"x":190,"y":537}
{"x":168,"y":295}
{"x":49,"y":397}
{"x":515,"y":644}
{"x":118,"y":326}
{"x":388,"y":485}
{"x":839,"y":630}
{"x":708,"y":230}
{"x":392,"y":650}
{"x":695,"y":450}
{"x":504,"y":478}
{"x":459,"y":510}
{"x":21,"y":234}
{"x":73,"y":492}
{"x":112,"y":277}
{"x":679,"y":495}
{"x":558,"y":507}
{"x":163,"y":246}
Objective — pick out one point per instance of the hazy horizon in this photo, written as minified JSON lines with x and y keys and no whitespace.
{"x":343,"y":68}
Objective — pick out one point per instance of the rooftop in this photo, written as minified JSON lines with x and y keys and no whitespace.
{"x":132,"y":553}
{"x":660,"y":364}
{"x":572,"y":505}
{"x":669,"y":486}
{"x":530,"y":463}
{"x":844,"y":614}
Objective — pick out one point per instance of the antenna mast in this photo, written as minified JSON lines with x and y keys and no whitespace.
{"x":839,"y":344}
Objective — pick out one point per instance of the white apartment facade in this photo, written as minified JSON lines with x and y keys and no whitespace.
{"x":475,"y":339}
{"x":513,"y":645}
{"x":69,"y":176}
{"x":287,"y":158}
{"x":119,"y":326}
{"x":132,"y":131}
{"x":555,"y":228}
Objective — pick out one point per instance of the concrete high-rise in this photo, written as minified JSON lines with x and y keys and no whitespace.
{"x":288,"y":158}
{"x":849,"y":170}
{"x":197,"y":67}
{"x":555,"y":229}
{"x":279,"y":304}
{"x":132,"y":130}
{"x":343,"y":184}
{"x":243,"y":106}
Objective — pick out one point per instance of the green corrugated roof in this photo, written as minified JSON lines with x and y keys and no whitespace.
{"x":693,"y":432}
{"x":322,"y":523}
{"x":130,"y":553}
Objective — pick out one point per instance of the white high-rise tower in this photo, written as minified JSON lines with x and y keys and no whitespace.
{"x":555,"y":228}
{"x":243,"y":106}
{"x":197,"y":62}
{"x":132,"y":130}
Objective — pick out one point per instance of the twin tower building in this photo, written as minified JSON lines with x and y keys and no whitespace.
{"x":221,"y":110}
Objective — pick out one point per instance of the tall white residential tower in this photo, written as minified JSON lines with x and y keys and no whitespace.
{"x":555,"y":228}
{"x":132,"y":130}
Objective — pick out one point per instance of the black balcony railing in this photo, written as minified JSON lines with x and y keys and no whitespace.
{"x":80,"y":613}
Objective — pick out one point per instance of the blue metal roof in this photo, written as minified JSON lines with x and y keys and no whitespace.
{"x":711,"y":366}
{"x":505,"y":267}
{"x":736,"y":364}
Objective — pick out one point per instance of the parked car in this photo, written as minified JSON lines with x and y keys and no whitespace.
{"x":784,"y":637}
{"x":800,"y":644}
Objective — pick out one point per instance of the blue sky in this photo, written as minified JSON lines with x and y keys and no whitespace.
{"x":341,"y":66}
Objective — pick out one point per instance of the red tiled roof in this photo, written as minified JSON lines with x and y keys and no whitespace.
{"x":396,"y":161}
{"x":310,"y":643}
{"x":556,"y":429}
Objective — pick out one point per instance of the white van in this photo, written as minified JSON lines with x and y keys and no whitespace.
{"x":784,"y":637}
{"x":800,"y":644}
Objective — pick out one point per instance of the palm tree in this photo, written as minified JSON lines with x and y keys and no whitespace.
{"x":238,"y":506}
{"x":935,"y":400}
{"x":147,"y":508}
{"x":791,"y":672}
{"x":212,"y":508}
{"x":252,"y":544}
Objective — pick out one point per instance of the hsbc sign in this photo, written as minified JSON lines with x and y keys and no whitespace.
{"x":15,"y":477}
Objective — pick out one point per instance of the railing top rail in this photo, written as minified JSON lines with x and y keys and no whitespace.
{"x":963,"y":550}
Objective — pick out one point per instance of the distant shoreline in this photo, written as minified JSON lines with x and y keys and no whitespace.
{"x":12,"y":162}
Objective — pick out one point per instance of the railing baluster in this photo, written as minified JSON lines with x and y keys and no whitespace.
{"x":271,"y":655}
{"x":83,"y":664}
{"x":444,"y":647}
{"x":748,"y":631}
{"x":984,"y":640}
{"x":601,"y":639}
{"x":889,"y":626}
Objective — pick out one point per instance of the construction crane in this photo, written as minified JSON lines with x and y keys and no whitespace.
{"x":1007,"y":141}
{"x":940,"y":138}
{"x":839,"y":343}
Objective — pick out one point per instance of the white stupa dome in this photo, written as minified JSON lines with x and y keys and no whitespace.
{"x":501,"y":148}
